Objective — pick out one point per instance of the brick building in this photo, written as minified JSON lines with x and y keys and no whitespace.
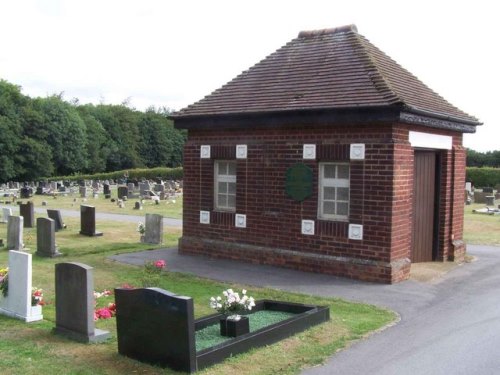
{"x":326,"y":156}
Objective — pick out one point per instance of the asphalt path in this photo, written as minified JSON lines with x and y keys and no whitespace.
{"x":176,"y":223}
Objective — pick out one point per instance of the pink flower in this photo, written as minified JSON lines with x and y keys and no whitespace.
{"x":103,"y":313}
{"x":160,"y":263}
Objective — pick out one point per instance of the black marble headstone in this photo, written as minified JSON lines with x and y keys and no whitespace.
{"x":27,"y":211}
{"x":56,"y":216}
{"x":106,"y":189}
{"x":122,"y":192}
{"x":87,"y":221}
{"x":157,"y":327}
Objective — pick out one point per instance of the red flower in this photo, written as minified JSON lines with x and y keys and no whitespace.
{"x":160,"y":263}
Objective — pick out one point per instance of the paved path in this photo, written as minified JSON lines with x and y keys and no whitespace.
{"x":448,"y":327}
{"x":177,"y":223}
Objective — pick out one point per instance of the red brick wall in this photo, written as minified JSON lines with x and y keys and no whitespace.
{"x":380,"y":200}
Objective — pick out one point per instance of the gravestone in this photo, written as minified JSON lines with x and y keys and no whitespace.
{"x":122,"y":192}
{"x":138,"y":206}
{"x":75,"y":303}
{"x":159,"y":188}
{"x":15,"y":233}
{"x":488,"y":190}
{"x":26,"y":192}
{"x":131,"y":187}
{"x":154,"y":229}
{"x":157,"y":327}
{"x":83,"y":192}
{"x":46,"y":238}
{"x":6,"y":212}
{"x":490,"y":200}
{"x":106,"y":189}
{"x":56,"y":216}
{"x":39,"y":190}
{"x":27,"y":211}
{"x":17,"y":304}
{"x":87,"y":221}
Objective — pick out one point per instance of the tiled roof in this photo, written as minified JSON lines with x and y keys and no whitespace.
{"x":324,"y":69}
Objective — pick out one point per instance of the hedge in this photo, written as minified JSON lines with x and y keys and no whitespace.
{"x":146,"y":173}
{"x":483,"y":176}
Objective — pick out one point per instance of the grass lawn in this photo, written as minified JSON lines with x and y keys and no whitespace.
{"x":33,"y":349}
{"x":480,"y":229}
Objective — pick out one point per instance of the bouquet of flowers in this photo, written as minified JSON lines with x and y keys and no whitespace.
{"x":4,"y":281}
{"x":152,"y":273}
{"x":232,"y":303}
{"x":36,"y":296}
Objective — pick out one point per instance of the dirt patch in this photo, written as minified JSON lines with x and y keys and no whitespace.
{"x":431,"y":272}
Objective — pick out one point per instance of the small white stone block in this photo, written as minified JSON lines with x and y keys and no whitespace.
{"x":308,"y":227}
{"x":205,"y":152}
{"x":309,"y":152}
{"x":358,"y":151}
{"x":240,"y":221}
{"x":241,"y":151}
{"x":355,"y":232}
{"x":205,"y":217}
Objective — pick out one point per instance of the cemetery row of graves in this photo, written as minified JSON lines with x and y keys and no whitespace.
{"x":66,"y":259}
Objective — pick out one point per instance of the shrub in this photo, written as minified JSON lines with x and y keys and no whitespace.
{"x":483,"y":177}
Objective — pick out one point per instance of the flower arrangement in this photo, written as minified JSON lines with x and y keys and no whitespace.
{"x":232,"y":302}
{"x":37,"y":296}
{"x":106,"y":312}
{"x":141,"y":228}
{"x":152,"y":273}
{"x":4,"y":281}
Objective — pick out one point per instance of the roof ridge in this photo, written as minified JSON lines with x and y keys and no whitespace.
{"x":382,"y":83}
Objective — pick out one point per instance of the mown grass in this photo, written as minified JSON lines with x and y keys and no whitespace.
{"x":481,"y":229}
{"x":34,"y":349}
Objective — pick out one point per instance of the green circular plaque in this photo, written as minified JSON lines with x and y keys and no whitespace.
{"x":299,"y":182}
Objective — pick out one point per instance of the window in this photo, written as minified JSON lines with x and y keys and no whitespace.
{"x":225,"y":185}
{"x":333,"y":191}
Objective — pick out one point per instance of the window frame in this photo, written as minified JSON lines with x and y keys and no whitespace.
{"x":225,"y":178}
{"x":336,"y":183}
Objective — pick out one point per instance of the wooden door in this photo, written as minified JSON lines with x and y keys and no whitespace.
{"x":424,"y":206}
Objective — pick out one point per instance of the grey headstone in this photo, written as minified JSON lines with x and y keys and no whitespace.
{"x":131,"y":187}
{"x":6,"y":212}
{"x":15,"y":233}
{"x":137,"y":206}
{"x":87,"y":221}
{"x":75,"y":303}
{"x":154,"y":229}
{"x":58,"y":221}
{"x":27,"y":210}
{"x":83,"y":192}
{"x":46,"y":238}
{"x":490,"y":200}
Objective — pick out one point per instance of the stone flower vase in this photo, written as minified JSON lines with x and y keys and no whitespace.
{"x":234,"y":325}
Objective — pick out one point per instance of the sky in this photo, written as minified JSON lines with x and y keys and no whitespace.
{"x":173,"y":53}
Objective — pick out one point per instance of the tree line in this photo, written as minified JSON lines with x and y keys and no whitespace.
{"x":483,"y":159}
{"x":44,"y":137}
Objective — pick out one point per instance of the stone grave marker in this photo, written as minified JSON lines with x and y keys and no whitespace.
{"x":106,"y":189}
{"x":75,"y":303}
{"x":27,"y":211}
{"x":131,"y":187}
{"x":83,"y":192}
{"x":154,"y":229}
{"x":17,"y":304}
{"x":87,"y":221}
{"x":122,"y":192}
{"x":15,"y":233}
{"x":46,"y":238}
{"x":58,"y":221}
{"x":157,"y":327}
{"x":26,"y":192}
{"x":6,"y":212}
{"x":138,"y":206}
